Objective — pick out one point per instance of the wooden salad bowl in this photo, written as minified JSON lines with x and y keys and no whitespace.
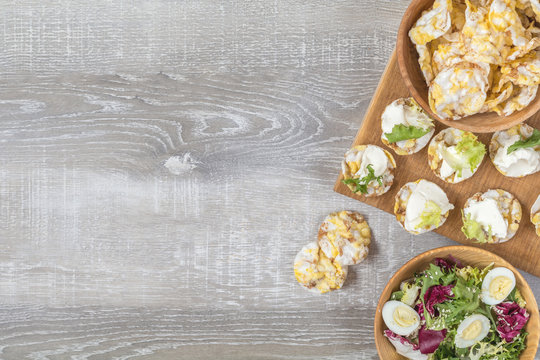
{"x":469,"y":256}
{"x":415,"y":82}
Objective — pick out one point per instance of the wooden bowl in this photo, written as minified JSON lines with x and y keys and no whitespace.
{"x":469,"y":256}
{"x":415,"y":82}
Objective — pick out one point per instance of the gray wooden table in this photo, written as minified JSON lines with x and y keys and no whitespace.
{"x":161,"y":163}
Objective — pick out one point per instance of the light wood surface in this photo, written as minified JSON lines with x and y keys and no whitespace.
{"x":468,"y":256}
{"x":161,"y":163}
{"x":523,"y":250}
{"x":416,"y":83}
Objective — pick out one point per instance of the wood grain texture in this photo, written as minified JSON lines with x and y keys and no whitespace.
{"x":523,"y":250}
{"x":161,"y":163}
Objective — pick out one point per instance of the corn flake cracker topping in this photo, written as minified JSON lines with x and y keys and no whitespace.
{"x":345,"y":237}
{"x":479,"y":55}
{"x":316,"y":272}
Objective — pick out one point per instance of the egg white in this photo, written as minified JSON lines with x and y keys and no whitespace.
{"x":464,"y":343}
{"x":387,"y":314}
{"x":492,"y":274}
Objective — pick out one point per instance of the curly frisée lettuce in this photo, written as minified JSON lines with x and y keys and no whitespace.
{"x":410,"y":293}
{"x":498,"y":350}
{"x":403,"y":132}
{"x":474,"y":274}
{"x":471,"y":149}
{"x":515,"y":296}
{"x":474,"y":230}
{"x":470,"y":153}
{"x":445,"y":296}
{"x":431,"y":216}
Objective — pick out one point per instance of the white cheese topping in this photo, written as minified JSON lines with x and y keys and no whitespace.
{"x":487,"y":213}
{"x":446,"y":170}
{"x":450,"y":156}
{"x":423,"y":192}
{"x":520,"y":162}
{"x":394,"y":114}
{"x":375,"y":156}
{"x":398,"y":112}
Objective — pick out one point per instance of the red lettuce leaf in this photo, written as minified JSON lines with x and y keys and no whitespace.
{"x":436,"y":295}
{"x":456,"y":262}
{"x":393,"y":336}
{"x":511,"y":318}
{"x":405,"y":347}
{"x":448,"y":264}
{"x":419,"y":308}
{"x":429,"y":340}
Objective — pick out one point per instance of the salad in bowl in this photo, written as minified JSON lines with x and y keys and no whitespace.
{"x":448,"y":310}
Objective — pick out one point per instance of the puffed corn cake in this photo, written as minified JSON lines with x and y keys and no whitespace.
{"x":368,"y":170}
{"x":479,"y":56}
{"x":491,"y":217}
{"x":454,"y":155}
{"x":344,"y":237}
{"x":421,"y":206}
{"x":520,"y":162}
{"x":316,"y":272}
{"x":535,"y":215}
{"x":406,"y":127}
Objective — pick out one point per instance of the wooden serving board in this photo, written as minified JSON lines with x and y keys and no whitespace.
{"x":523,"y":250}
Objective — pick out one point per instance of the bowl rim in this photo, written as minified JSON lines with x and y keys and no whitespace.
{"x":402,"y":44}
{"x":532,"y":306}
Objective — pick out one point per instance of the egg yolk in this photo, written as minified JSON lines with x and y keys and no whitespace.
{"x":500,"y":287}
{"x":404,"y":317}
{"x":472,"y":331}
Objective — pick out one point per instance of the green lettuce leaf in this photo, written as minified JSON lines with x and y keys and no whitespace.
{"x":466,"y":301}
{"x":471,"y":150}
{"x":431,"y":216}
{"x":492,"y":348}
{"x":533,"y":141}
{"x":456,"y":162}
{"x":402,"y":132}
{"x":474,"y":230}
{"x":475,"y":274}
{"x":397,"y":295}
{"x":467,"y":283}
{"x":362,"y":184}
{"x":429,"y":277}
{"x":447,"y":349}
{"x":410,"y":293}
{"x":516,"y":297}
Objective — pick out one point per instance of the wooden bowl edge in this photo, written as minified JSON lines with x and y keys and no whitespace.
{"x":402,"y":44}
{"x":532,"y":307}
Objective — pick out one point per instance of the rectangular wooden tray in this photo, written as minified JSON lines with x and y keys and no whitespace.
{"x":523,"y":250}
